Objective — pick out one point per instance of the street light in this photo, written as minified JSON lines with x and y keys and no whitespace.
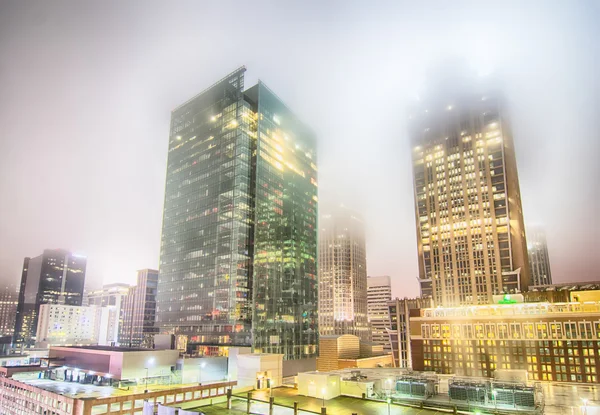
{"x":585,"y":402}
{"x":495,"y":394}
{"x":146,"y":381}
{"x":323,"y":390}
{"x":389,"y":402}
{"x":200,"y":366}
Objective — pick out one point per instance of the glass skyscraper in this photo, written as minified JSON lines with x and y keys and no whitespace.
{"x":55,"y":277}
{"x":470,"y":233}
{"x":539,"y":261}
{"x":239,"y":240}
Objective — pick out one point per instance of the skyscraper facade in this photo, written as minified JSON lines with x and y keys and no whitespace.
{"x":9,"y":299}
{"x":139,"y":311}
{"x":343,"y":275}
{"x":55,"y":277}
{"x":470,"y":233}
{"x":539,"y":261}
{"x":239,"y":240}
{"x":379,"y":293}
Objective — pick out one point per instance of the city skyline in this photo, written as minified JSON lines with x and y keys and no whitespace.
{"x":116,"y":219}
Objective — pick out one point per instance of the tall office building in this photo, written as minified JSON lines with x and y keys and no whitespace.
{"x":9,"y":299}
{"x":111,"y":297}
{"x":539,"y":261}
{"x":343,"y":275}
{"x":55,"y":277}
{"x":239,"y":239}
{"x":379,"y":293}
{"x":470,"y":234}
{"x":139,"y":313}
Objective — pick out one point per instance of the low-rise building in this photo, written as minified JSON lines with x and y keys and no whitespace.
{"x":347,"y":351}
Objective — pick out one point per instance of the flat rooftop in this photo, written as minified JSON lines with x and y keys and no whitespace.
{"x":107,"y":348}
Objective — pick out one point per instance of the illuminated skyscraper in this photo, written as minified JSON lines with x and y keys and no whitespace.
{"x":55,"y":277}
{"x":539,"y":261}
{"x":343,"y":275}
{"x":239,"y":240}
{"x":470,"y":234}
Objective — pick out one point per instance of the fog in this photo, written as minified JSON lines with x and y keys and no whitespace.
{"x":86,"y":91}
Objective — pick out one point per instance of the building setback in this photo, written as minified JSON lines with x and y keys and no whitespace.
{"x":470,"y":234}
{"x":343,"y":275}
{"x":379,"y":293}
{"x":138,"y":310}
{"x":55,"y":277}
{"x":239,"y":239}
{"x":539,"y":261}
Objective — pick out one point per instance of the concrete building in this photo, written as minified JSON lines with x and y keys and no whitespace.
{"x":539,"y":260}
{"x":138,"y":311}
{"x":71,"y":325}
{"x":343,"y":275}
{"x":379,"y":293}
{"x":469,"y":220}
{"x":55,"y":277}
{"x":111,"y":297}
{"x":400,"y":311}
{"x":240,"y":224}
{"x":348,"y":351}
{"x":9,"y":300}
{"x":551,"y":341}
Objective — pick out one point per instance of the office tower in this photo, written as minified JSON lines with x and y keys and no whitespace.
{"x":55,"y":277}
{"x":343,"y":275}
{"x":470,"y":234}
{"x":379,"y":293}
{"x":139,"y":311}
{"x":112,"y":297}
{"x":239,"y":239}
{"x":400,"y":311}
{"x":9,"y":299}
{"x":539,"y":261}
{"x":548,"y":341}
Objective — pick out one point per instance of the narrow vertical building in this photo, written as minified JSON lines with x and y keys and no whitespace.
{"x":539,"y":261}
{"x":55,"y":277}
{"x":239,"y":239}
{"x":343,"y":275}
{"x":379,"y":293}
{"x":470,"y":234}
{"x":139,"y":311}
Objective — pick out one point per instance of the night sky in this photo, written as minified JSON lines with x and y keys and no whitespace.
{"x":86,"y":91}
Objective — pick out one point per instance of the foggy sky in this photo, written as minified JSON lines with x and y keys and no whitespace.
{"x":86,"y":91}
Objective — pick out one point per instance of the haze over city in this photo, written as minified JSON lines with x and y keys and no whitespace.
{"x":88,"y":89}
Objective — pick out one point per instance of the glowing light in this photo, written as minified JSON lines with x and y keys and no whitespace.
{"x":276,"y":120}
{"x":449,"y":107}
{"x":179,"y":137}
{"x":213,"y":118}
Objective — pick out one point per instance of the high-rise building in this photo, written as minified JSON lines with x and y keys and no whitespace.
{"x":379,"y":293}
{"x":55,"y":277}
{"x":343,"y":275}
{"x":239,"y":239}
{"x":470,"y":234}
{"x":138,"y":311}
{"x":9,"y":299}
{"x":539,"y":261}
{"x":111,"y":297}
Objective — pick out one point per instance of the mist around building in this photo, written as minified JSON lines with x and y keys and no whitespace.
{"x":263,"y":302}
